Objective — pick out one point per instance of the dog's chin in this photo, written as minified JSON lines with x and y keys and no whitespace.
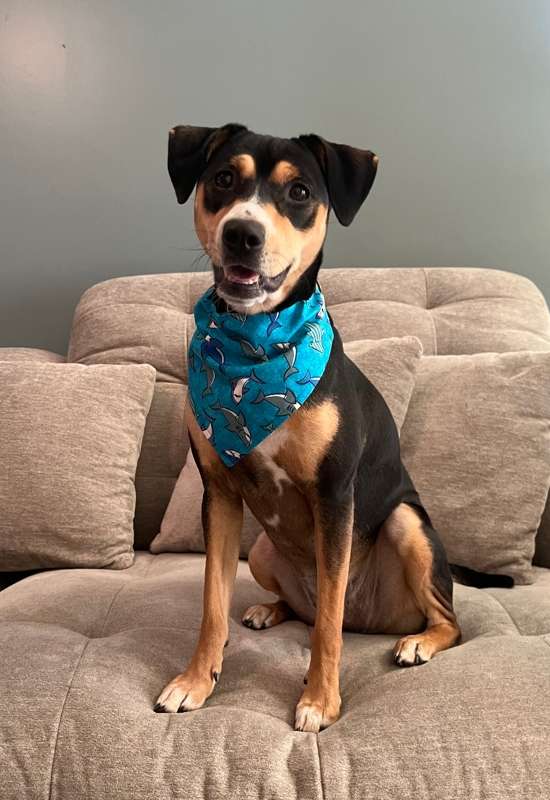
{"x":242,"y":287}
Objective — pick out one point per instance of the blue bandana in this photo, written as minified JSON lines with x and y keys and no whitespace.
{"x":248,"y":374}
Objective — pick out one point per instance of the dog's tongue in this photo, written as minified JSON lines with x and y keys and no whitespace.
{"x":238,"y":274}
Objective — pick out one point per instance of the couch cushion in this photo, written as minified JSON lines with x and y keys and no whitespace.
{"x":476,"y":442}
{"x":85,"y":653}
{"x":69,"y":443}
{"x":29,"y":354}
{"x":452,"y":311}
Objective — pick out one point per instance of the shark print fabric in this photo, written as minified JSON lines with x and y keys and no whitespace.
{"x":249,"y":374}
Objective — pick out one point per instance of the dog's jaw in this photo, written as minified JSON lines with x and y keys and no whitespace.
{"x":250,"y":297}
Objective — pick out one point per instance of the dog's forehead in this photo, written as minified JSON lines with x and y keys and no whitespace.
{"x":268,"y":156}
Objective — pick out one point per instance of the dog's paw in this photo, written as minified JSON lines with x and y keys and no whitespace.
{"x":186,"y":692}
{"x":312,"y":715}
{"x":410,"y":651}
{"x":264,"y":615}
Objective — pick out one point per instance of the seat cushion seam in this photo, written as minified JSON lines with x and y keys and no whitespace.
{"x":110,"y":608}
{"x":323,"y":795}
{"x":510,"y":617}
{"x":77,"y":665}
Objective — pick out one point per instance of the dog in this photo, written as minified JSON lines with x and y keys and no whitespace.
{"x":347,"y":542}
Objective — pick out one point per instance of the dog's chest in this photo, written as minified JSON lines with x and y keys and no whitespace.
{"x":276,"y":492}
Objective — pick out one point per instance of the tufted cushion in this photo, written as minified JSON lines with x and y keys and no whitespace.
{"x":86,"y":652}
{"x":452,"y":311}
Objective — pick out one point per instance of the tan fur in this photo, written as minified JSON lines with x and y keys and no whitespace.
{"x":266,"y":615}
{"x":294,"y":246}
{"x":206,"y":224}
{"x":404,"y":529}
{"x":284,"y":172}
{"x":320,"y":702}
{"x":310,"y":432}
{"x":245,"y":165}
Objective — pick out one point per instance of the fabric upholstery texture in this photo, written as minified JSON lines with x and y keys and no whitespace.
{"x":476,"y":442}
{"x":69,"y":443}
{"x":84,"y":654}
{"x":149,"y":319}
{"x":390,"y":364}
{"x":30,"y":354}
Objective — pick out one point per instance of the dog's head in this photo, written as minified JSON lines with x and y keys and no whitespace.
{"x":262,"y":204}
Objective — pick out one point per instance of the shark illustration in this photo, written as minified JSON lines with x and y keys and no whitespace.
{"x":210,"y":346}
{"x":233,"y":454}
{"x":210,"y":377}
{"x":240,"y":386}
{"x":285,"y":404}
{"x":289,"y":351}
{"x":322,"y":308}
{"x":316,"y":332}
{"x":308,"y":378}
{"x":235,"y":423}
{"x":249,"y":350}
{"x":209,"y":431}
{"x":273,"y":323}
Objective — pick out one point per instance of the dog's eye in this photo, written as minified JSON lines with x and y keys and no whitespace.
{"x":299,"y":192}
{"x":224,"y":179}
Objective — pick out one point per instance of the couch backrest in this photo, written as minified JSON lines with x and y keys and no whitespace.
{"x":150,"y":319}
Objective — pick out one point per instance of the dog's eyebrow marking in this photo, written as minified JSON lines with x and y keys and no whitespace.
{"x":245,"y":164}
{"x":283,"y":172}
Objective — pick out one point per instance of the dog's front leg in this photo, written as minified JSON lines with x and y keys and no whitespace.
{"x":222,"y":521}
{"x":319,"y":705}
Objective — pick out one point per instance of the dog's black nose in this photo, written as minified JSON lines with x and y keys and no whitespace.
{"x":243,"y":236}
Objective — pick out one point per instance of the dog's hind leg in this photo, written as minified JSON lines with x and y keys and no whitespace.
{"x":263,"y":564}
{"x":428,"y":578}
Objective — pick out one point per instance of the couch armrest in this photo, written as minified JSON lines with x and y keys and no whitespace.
{"x":29,"y":354}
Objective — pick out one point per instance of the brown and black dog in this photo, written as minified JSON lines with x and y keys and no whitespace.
{"x":347,"y":542}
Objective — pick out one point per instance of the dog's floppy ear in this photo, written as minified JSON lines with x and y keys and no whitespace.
{"x":349,"y":174}
{"x":189,"y":148}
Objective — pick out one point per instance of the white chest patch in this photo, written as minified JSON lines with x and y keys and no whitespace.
{"x":268,"y":449}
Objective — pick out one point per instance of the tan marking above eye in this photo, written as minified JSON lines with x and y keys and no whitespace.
{"x":283,"y":172}
{"x":245,"y":165}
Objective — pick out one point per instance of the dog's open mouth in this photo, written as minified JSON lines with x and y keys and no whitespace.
{"x":236,"y":273}
{"x":244,"y":283}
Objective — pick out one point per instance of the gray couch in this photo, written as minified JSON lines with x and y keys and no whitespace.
{"x":84,"y":653}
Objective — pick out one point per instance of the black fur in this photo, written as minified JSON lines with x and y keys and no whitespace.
{"x":189,"y":148}
{"x":349,"y":174}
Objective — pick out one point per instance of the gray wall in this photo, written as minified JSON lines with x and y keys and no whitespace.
{"x":454,"y":96}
